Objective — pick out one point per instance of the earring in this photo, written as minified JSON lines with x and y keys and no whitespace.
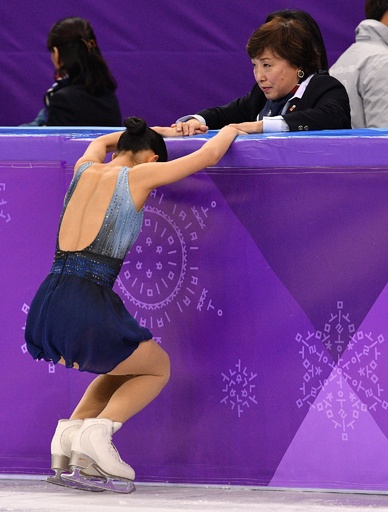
{"x":300,"y":73}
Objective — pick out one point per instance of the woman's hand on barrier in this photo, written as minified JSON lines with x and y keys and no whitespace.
{"x":190,"y":127}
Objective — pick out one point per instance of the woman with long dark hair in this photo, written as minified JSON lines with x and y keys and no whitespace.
{"x":84,"y":91}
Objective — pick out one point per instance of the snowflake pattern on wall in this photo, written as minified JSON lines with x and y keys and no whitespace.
{"x":161,"y":275}
{"x":50,"y":366}
{"x":4,"y":214}
{"x":239,"y":390}
{"x":349,"y":386}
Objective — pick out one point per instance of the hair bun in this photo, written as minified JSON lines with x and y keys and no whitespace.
{"x":135,"y":125}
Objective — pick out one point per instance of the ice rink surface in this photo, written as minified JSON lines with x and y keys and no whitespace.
{"x":25,"y":495}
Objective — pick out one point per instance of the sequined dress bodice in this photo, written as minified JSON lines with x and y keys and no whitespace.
{"x":102,"y":259}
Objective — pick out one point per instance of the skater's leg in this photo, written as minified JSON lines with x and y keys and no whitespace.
{"x":116,"y":397}
{"x":97,"y":395}
{"x":150,"y":367}
{"x":132,"y":385}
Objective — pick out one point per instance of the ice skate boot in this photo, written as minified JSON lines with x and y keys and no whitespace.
{"x":60,"y":453}
{"x":92,"y":448}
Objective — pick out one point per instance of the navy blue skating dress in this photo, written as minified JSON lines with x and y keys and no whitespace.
{"x":75,"y":313}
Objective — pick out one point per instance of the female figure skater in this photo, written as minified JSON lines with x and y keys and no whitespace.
{"x":75,"y":317}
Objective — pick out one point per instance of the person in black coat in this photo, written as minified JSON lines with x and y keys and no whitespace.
{"x":323,"y":106}
{"x":292,"y":40}
{"x":84,"y":91}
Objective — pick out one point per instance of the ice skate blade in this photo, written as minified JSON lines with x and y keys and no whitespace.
{"x":58,"y":480}
{"x":109,"y":483}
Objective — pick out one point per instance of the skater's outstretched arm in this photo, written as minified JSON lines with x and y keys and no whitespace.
{"x":147,"y":176}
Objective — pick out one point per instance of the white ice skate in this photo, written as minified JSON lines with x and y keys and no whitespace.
{"x":92,"y":448}
{"x":60,"y":454}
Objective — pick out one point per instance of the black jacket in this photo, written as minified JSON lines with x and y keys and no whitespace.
{"x":72,"y":105}
{"x":323,"y":106}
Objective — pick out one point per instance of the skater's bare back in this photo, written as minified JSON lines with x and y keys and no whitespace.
{"x":87,"y":207}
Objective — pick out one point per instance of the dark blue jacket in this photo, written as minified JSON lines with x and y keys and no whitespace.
{"x":323,"y":106}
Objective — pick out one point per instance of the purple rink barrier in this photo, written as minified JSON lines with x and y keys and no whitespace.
{"x":264,"y":278}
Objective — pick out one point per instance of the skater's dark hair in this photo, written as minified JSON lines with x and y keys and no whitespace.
{"x":138,"y":136}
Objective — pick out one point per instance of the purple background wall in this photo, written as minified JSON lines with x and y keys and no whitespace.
{"x":169,"y":57}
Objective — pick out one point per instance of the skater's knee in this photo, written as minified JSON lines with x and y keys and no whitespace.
{"x":158,"y":361}
{"x":148,"y":359}
{"x":165,"y":368}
